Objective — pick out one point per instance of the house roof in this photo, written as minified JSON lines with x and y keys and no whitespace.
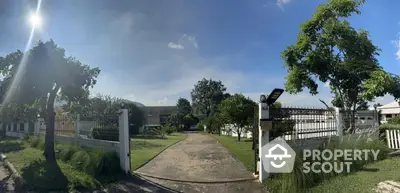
{"x":391,"y":108}
{"x":393,"y":104}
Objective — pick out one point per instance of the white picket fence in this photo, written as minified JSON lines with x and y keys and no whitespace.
{"x":393,"y":139}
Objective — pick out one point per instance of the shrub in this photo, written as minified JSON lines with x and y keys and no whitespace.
{"x":166,"y":130}
{"x":94,"y":162}
{"x":384,"y":127}
{"x":298,"y":181}
{"x":394,"y":121}
{"x":200,"y":127}
{"x":109,"y":133}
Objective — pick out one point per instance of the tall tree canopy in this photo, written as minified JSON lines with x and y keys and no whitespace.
{"x":330,"y":50}
{"x":238,"y":111}
{"x":206,"y":95}
{"x":38,"y":76}
{"x":183,"y":106}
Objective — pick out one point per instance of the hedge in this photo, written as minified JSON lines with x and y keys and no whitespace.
{"x":109,"y":133}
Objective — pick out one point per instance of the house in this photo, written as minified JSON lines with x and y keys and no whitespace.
{"x":389,"y":111}
{"x":157,"y":115}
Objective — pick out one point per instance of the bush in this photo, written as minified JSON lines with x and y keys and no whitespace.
{"x":298,"y":181}
{"x":200,"y":127}
{"x":167,"y":130}
{"x":384,"y":127}
{"x":94,"y":162}
{"x":394,"y":121}
{"x":109,"y":133}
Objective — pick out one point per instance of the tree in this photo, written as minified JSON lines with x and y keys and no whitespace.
{"x":39,"y":75}
{"x":206,"y":95}
{"x":184,"y":107}
{"x":238,"y":111}
{"x":135,"y":117}
{"x":362,"y":106}
{"x":329,"y":49}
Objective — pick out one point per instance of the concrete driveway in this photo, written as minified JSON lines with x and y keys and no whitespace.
{"x":199,"y":164}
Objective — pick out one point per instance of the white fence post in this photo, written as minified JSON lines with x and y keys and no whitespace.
{"x":339,"y":123}
{"x":263,"y":139}
{"x":124,"y":140}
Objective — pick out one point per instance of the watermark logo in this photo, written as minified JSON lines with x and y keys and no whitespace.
{"x":279,"y":156}
{"x":338,"y":160}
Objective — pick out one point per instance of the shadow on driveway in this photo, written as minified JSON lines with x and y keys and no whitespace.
{"x":138,"y":184}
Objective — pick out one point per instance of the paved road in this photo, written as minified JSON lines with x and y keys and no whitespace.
{"x":199,"y":158}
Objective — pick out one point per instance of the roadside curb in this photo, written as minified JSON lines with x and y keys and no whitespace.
{"x":196,"y":181}
{"x":159,"y":153}
{"x":18,"y":180}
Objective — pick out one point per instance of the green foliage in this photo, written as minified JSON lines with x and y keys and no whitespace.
{"x":94,"y":162}
{"x":298,"y":181}
{"x":110,"y":133}
{"x":394,"y":121}
{"x":184,"y":107}
{"x":200,"y":126}
{"x":166,"y":130}
{"x":280,"y":127}
{"x":384,"y":127}
{"x":44,"y":176}
{"x":47,"y":73}
{"x":328,"y":49}
{"x":238,"y":111}
{"x":206,"y":95}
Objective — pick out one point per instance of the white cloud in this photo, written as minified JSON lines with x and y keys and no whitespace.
{"x":184,"y":40}
{"x":397,"y":44}
{"x":175,"y":46}
{"x":281,"y":3}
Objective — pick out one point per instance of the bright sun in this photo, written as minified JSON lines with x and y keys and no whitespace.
{"x":35,"y":20}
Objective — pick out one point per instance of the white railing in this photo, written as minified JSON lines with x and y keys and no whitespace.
{"x":393,"y":139}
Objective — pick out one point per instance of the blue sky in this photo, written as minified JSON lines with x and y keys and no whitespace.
{"x":154,"y":52}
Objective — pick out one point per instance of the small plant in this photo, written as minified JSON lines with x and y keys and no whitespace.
{"x":166,"y":130}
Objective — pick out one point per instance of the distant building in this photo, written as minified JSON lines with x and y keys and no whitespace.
{"x":157,"y":115}
{"x":389,"y":111}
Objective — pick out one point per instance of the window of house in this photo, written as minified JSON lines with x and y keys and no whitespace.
{"x":389,"y":116}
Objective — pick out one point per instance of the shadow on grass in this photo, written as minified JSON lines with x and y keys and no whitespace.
{"x":369,"y":169}
{"x":146,"y":137}
{"x":10,"y":146}
{"x":46,"y":176}
{"x":137,"y":145}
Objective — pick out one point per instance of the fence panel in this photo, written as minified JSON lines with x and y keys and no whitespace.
{"x":393,"y":139}
{"x":65,"y":125}
{"x":302,"y":123}
{"x":99,"y":127}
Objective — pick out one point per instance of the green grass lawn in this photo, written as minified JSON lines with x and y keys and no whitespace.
{"x":362,"y":181}
{"x":30,"y":164}
{"x":241,"y":150}
{"x":145,"y":149}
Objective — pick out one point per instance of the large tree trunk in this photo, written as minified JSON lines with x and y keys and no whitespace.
{"x":49,"y":153}
{"x":239,"y":132}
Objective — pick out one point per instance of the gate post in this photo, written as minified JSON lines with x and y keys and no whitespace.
{"x":263,"y":139}
{"x":124,"y":140}
{"x":339,"y":122}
